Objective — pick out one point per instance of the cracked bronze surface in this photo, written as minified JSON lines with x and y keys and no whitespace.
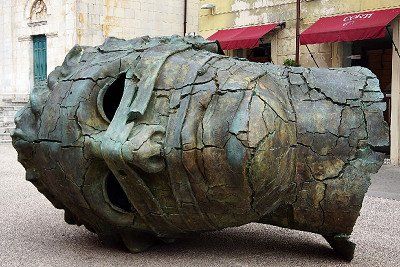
{"x":156,"y":138}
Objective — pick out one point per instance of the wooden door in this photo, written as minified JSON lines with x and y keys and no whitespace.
{"x":39,"y":59}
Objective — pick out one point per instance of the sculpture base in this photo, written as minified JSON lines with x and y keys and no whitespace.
{"x":342,"y":246}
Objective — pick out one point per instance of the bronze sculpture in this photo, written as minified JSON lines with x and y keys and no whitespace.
{"x":154,"y":138}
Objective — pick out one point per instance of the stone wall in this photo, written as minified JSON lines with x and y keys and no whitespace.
{"x":98,"y":19}
{"x":86,"y":22}
{"x":56,"y":21}
{"x":20,"y":20}
{"x":69,"y":22}
{"x":6,"y":45}
{"x":238,"y":13}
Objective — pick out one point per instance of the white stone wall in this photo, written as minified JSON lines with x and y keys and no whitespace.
{"x":58,"y":24}
{"x":98,"y":19}
{"x":86,"y":22}
{"x":6,"y":64}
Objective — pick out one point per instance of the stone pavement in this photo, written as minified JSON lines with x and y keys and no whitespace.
{"x":386,"y":184}
{"x":33,"y":233}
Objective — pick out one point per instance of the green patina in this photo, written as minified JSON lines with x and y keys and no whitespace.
{"x":156,"y":138}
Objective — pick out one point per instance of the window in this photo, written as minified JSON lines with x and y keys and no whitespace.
{"x":261,"y":53}
{"x":39,"y":58}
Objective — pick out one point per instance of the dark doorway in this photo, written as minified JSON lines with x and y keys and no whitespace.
{"x":376,"y":55}
{"x":261,"y":53}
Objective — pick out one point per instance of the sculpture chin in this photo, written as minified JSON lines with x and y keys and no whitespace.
{"x":156,"y":138}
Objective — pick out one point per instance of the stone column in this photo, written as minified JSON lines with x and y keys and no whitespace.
{"x":337,"y":55}
{"x":395,"y":115}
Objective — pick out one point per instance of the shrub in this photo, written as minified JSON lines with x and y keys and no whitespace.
{"x":290,"y":62}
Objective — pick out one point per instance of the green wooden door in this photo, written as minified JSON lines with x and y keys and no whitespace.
{"x":39,"y":59}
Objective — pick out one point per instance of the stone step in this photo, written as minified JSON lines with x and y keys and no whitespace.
{"x":11,"y":107}
{"x":6,"y":130}
{"x":18,"y":101}
{"x":387,"y":161}
{"x":5,"y":138}
{"x":15,"y":97}
{"x":6,"y":108}
{"x":6,"y":124}
{"x":10,"y":104}
{"x":13,"y":103}
{"x":8,"y":115}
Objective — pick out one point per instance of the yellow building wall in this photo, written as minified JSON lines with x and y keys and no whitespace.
{"x":238,"y":13}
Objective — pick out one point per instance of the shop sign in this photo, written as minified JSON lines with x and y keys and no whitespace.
{"x":350,"y":20}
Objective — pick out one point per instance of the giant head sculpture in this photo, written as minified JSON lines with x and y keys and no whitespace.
{"x":154,"y":138}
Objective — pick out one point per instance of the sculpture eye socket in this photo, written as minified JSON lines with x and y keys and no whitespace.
{"x":110,"y":98}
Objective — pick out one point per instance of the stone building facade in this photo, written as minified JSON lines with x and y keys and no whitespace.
{"x":45,"y":30}
{"x":240,"y":13}
{"x":232,"y":14}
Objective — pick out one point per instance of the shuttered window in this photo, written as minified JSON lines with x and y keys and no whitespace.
{"x":39,"y":58}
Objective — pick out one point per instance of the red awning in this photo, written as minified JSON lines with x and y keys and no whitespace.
{"x":241,"y":38}
{"x":351,"y":27}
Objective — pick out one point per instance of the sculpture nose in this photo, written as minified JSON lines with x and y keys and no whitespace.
{"x":128,"y":146}
{"x":145,"y":149}
{"x":24,"y":131}
{"x":118,"y":151}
